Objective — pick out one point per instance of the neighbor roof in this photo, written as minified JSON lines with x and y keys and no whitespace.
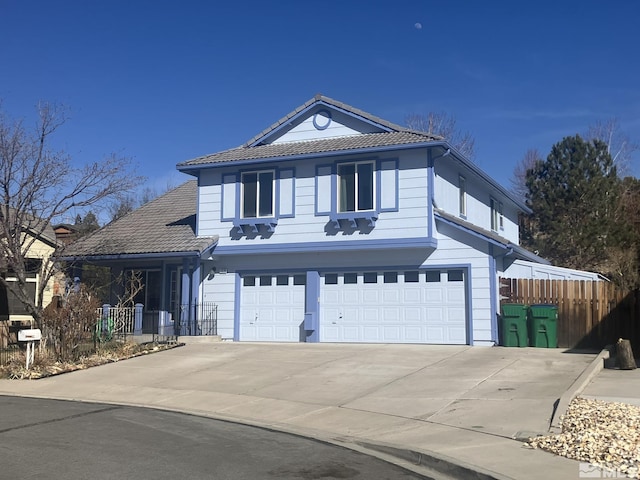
{"x":163,"y":226}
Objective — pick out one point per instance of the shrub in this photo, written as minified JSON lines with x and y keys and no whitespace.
{"x":69,"y":323}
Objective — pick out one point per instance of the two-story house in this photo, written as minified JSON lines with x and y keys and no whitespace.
{"x":332,"y":225}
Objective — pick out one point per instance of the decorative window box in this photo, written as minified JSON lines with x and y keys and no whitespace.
{"x":252,"y":225}
{"x":351,"y":218}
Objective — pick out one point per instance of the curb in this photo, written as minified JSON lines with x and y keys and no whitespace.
{"x":436,"y":465}
{"x":577,"y":387}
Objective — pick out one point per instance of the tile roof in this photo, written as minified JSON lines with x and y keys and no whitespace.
{"x":164,"y":225}
{"x":279,"y":150}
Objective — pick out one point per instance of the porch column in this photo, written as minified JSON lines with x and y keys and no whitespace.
{"x":195,"y":289}
{"x":137,"y":325}
{"x":185,"y":296}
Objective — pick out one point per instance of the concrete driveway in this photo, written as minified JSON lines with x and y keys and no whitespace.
{"x":457,"y":401}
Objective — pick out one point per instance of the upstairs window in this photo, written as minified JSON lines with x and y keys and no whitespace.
{"x":258,"y":194}
{"x":462,"y":193}
{"x":355,"y":187}
{"x":497,"y":218}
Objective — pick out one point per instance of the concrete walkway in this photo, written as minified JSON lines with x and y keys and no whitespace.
{"x":448,"y":407}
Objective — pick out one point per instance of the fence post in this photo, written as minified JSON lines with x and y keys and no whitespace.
{"x":137,"y":326}
{"x":104,"y":321}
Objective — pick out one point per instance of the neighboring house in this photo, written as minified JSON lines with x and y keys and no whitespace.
{"x":332,"y":225}
{"x":66,"y":233}
{"x":538,"y":271}
{"x":12,"y":311}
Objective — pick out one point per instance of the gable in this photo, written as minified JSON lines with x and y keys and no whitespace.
{"x":322,"y":118}
{"x":322,"y":123}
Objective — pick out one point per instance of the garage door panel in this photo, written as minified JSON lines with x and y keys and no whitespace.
{"x":435,"y":334}
{"x":412,"y":295}
{"x":271,"y":310}
{"x":392,"y":334}
{"x":391,"y":296}
{"x":391,"y":315}
{"x":419,"y":307}
{"x":434,"y":295}
{"x":371,"y":334}
{"x":413,"y":334}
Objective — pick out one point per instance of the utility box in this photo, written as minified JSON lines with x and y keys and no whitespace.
{"x":543,"y":326}
{"x":513,"y":325}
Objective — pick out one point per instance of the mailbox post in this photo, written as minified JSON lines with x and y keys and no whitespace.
{"x":30,"y":336}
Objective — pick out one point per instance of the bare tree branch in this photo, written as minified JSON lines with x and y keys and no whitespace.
{"x":39,"y":185}
{"x":443,"y":125}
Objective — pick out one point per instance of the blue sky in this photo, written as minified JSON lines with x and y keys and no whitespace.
{"x":163,"y":82}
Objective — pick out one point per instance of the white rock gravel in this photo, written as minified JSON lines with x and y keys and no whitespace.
{"x":605,"y":434}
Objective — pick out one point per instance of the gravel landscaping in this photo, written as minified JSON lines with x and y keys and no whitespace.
{"x":604,"y":434}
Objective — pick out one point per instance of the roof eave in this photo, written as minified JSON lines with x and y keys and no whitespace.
{"x":482,"y":174}
{"x":304,"y":156}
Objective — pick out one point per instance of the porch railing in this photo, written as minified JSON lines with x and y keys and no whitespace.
{"x":198,"y":319}
{"x":117,"y":322}
{"x":188,"y":320}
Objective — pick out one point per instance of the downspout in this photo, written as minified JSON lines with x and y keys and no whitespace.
{"x":431,"y":175}
{"x":493,"y":295}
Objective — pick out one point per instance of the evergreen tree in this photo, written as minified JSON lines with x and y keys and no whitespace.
{"x":575,"y":198}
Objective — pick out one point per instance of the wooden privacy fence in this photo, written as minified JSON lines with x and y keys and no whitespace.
{"x":590,"y":314}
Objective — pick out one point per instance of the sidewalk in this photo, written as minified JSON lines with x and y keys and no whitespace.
{"x":453,"y":408}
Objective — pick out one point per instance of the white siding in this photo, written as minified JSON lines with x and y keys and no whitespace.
{"x":452,"y":251}
{"x":479,"y":195}
{"x":220,"y":289}
{"x":410,"y":221}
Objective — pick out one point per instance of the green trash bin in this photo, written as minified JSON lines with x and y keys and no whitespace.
{"x":513,"y":325}
{"x":543,"y":326}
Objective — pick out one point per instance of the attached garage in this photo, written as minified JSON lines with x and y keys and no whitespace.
{"x":421,"y":306}
{"x":272,"y":307}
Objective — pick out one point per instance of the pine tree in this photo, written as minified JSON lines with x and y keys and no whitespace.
{"x":574,"y":195}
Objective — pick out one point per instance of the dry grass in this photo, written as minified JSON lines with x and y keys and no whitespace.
{"x":46,"y":366}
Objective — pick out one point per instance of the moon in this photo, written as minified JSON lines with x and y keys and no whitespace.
{"x":418,"y":26}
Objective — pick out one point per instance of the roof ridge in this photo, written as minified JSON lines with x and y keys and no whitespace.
{"x":339,"y":105}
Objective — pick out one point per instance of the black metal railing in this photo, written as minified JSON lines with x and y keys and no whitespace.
{"x":196,"y":320}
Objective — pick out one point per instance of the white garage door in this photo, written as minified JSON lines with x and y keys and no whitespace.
{"x":426,"y":306}
{"x":271,"y":307}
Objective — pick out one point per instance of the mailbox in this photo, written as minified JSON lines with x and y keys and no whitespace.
{"x":29,"y":335}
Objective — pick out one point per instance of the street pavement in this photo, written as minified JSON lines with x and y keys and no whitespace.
{"x":441,"y":410}
{"x":54,"y":439}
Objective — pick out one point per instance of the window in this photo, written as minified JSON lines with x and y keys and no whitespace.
{"x":355,"y":187}
{"x":390,"y":277}
{"x":300,"y":279}
{"x":265,"y":281}
{"x":370,"y":277}
{"x":462,"y":193}
{"x":497,"y":218}
{"x":455,"y":275}
{"x":9,"y":303}
{"x":145,"y":286}
{"x":258,"y":194}
{"x":249,"y":281}
{"x":282,"y":280}
{"x":330,"y":278}
{"x":411,"y":277}
{"x":433,"y":276}
{"x":350,"y":278}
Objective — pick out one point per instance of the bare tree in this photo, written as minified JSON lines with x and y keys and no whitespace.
{"x":39,"y":185}
{"x":443,"y":125}
{"x":620,"y":146}
{"x":519,"y":178}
